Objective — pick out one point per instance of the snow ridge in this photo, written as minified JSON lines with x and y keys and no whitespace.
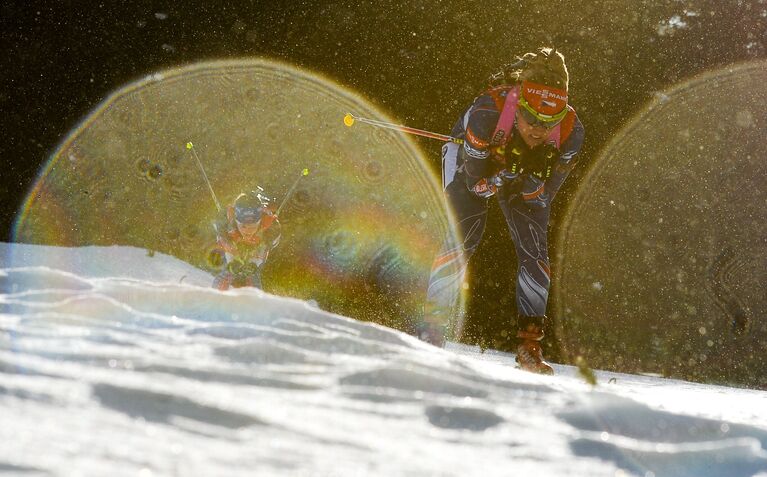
{"x":118,"y":375}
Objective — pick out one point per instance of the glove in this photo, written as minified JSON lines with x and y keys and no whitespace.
{"x":238,"y":268}
{"x":488,"y":187}
{"x":485,"y":188}
{"x":235,"y":265}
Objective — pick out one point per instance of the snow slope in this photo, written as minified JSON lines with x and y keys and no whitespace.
{"x":113,"y":362}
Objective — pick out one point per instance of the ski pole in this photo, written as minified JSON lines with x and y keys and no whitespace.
{"x":349,"y":120}
{"x":190,"y":147}
{"x":292,"y":189}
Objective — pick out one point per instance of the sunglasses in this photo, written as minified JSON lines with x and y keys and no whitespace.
{"x":536,"y":119}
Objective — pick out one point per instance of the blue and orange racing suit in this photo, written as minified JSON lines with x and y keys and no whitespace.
{"x":244,"y":256}
{"x":524,"y":201}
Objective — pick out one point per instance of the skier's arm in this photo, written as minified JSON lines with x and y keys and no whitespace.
{"x":222,"y":228}
{"x":573,"y":144}
{"x":568,"y":157}
{"x":270,"y":238}
{"x":475,"y":151}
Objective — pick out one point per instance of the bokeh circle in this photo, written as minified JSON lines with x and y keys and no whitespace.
{"x":662,"y":266}
{"x":359,"y":232}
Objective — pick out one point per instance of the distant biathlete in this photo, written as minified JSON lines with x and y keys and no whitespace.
{"x":521,"y":138}
{"x":246,"y":232}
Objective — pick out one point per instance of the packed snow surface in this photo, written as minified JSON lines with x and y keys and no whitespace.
{"x":117,"y":362}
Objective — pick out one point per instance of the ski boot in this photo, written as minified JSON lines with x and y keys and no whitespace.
{"x":529,"y":354}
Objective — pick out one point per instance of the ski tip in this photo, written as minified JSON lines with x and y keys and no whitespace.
{"x":349,"y":119}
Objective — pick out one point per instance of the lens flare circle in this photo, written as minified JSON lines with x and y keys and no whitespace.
{"x":662,"y":266}
{"x":359,"y":232}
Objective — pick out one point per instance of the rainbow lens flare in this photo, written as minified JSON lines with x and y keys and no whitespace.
{"x":358,"y":234}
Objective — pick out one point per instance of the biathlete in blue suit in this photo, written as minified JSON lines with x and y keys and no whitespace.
{"x":246,"y":232}
{"x":521,"y":138}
